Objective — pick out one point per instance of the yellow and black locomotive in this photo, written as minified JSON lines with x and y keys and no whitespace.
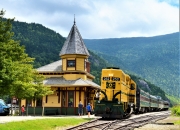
{"x":116,"y":98}
{"x":119,"y":96}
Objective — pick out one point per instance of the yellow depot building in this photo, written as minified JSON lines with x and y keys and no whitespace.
{"x":69,"y":78}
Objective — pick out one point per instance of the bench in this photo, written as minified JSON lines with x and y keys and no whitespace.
{"x":51,"y":112}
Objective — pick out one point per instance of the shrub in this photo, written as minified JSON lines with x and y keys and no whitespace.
{"x":178,"y":112}
{"x":175,"y":110}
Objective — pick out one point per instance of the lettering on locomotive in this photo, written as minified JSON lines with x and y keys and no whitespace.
{"x":112,"y":78}
{"x":106,"y":78}
{"x":115,"y":79}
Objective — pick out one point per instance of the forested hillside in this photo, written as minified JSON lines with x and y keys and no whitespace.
{"x":44,"y":45}
{"x":41,"y":43}
{"x":153,"y":58}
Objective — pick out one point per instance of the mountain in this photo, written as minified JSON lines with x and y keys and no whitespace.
{"x":44,"y":45}
{"x":41,"y":43}
{"x":153,"y":58}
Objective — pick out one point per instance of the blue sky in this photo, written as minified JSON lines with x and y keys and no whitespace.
{"x":171,"y":2}
{"x":97,"y":19}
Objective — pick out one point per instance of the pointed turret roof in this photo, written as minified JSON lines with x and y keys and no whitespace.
{"x":74,"y":43}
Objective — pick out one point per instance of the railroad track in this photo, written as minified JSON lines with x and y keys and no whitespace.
{"x":123,"y":124}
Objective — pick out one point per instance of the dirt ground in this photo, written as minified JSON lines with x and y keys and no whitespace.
{"x":165,"y":124}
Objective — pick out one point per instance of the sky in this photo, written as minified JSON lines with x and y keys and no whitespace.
{"x":97,"y":19}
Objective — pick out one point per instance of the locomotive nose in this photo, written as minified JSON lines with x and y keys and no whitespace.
{"x":107,"y":110}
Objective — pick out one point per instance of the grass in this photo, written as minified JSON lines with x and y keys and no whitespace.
{"x":176,"y":110}
{"x":177,"y":122}
{"x":43,"y":124}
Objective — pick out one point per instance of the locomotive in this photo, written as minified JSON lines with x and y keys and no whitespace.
{"x":119,"y":96}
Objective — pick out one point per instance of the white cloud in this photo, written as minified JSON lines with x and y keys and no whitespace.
{"x":99,"y":19}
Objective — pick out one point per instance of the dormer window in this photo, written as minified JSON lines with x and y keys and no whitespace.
{"x":71,"y":63}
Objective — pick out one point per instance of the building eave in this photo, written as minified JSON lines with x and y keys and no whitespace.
{"x":61,"y":82}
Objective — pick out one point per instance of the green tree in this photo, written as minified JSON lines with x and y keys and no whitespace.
{"x":15,"y":65}
{"x":17,"y":76}
{"x":40,"y":90}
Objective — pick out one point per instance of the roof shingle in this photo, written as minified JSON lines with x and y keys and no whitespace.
{"x":52,"y":67}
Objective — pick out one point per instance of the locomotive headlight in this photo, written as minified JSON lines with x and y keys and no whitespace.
{"x":119,"y":102}
{"x":98,"y":101}
{"x":111,"y":74}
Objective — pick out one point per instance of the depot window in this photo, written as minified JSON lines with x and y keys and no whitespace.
{"x":71,"y":63}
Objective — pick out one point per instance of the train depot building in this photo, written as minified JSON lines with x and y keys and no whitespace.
{"x":69,"y":78}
